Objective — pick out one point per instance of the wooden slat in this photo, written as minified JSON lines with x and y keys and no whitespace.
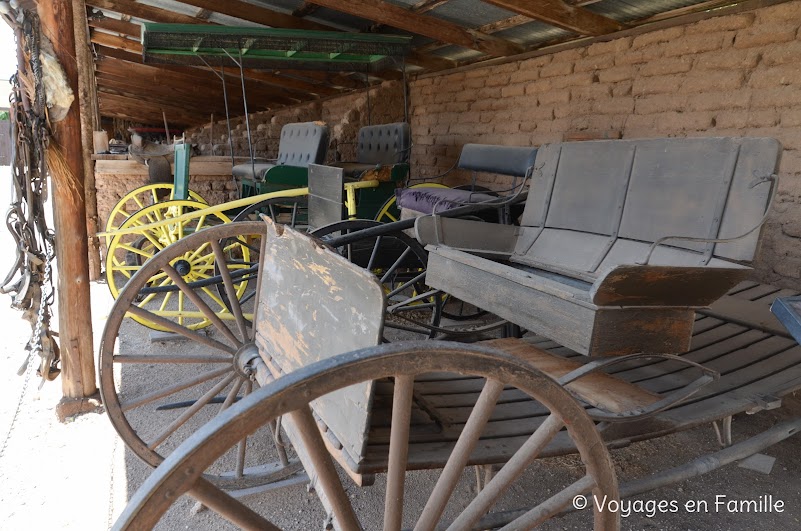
{"x":123,"y":27}
{"x":756,"y":292}
{"x":598,"y":389}
{"x":559,"y":14}
{"x":753,"y":314}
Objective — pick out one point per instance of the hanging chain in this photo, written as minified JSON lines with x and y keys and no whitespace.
{"x":30,"y":279}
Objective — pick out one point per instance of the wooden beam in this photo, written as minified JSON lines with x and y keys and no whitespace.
{"x":143,"y":11}
{"x":557,"y":13}
{"x":207,"y":81}
{"x":179,"y":96}
{"x":130,"y":29}
{"x":116,"y":41}
{"x":441,"y":30}
{"x":492,"y":27}
{"x":280,"y":82}
{"x":147,"y":112}
{"x":65,"y":162}
{"x":182,"y":109}
{"x":427,"y":5}
{"x":305,"y":9}
{"x":86,"y":87}
{"x":256,"y":13}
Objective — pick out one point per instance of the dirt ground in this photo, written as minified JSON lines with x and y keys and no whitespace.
{"x":79,"y":475}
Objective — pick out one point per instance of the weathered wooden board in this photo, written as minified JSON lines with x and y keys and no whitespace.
{"x":751,"y":313}
{"x":634,"y":285}
{"x":315,"y":304}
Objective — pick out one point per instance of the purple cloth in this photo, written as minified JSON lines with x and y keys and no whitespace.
{"x":423,"y":199}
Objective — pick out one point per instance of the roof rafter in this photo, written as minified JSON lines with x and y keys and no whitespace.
{"x":284,"y":82}
{"x":275,"y":19}
{"x":398,"y":17}
{"x":558,"y":13}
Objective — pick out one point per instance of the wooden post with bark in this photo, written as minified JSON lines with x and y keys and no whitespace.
{"x":65,"y":162}
{"x":86,"y":87}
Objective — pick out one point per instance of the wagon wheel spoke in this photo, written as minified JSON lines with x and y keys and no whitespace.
{"x":179,"y":329}
{"x":398,"y":451}
{"x":460,"y":454}
{"x":510,"y":472}
{"x":143,"y":197}
{"x":552,"y":505}
{"x":175,"y":388}
{"x":190,"y":411}
{"x":327,"y":475}
{"x":243,"y":444}
{"x":233,"y":300}
{"x":201,"y":304}
{"x":229,"y":507}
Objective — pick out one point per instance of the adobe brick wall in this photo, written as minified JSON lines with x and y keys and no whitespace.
{"x":344,"y":115}
{"x":736,"y":75}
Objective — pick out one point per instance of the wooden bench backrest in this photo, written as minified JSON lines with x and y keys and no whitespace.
{"x":594,"y":205}
{"x":315,"y":304}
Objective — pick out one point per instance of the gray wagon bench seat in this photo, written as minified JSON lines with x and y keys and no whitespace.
{"x":616,"y":246}
{"x":300,"y":144}
{"x":379,"y":146}
{"x":485,"y":158}
{"x":310,"y":295}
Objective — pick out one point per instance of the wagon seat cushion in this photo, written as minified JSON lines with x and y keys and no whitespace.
{"x":502,"y":160}
{"x":300,"y":144}
{"x":379,"y":145}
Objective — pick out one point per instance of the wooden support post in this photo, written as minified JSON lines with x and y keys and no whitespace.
{"x":65,"y":161}
{"x":86,"y":87}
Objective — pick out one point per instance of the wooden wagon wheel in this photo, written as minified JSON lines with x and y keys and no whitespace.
{"x":142,"y":197}
{"x":155,"y":394}
{"x":128,"y":252}
{"x":291,"y":395}
{"x":400,"y":263}
{"x":289,"y":211}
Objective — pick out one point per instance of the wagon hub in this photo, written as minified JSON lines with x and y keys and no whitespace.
{"x":243,"y":359}
{"x":183,"y":267}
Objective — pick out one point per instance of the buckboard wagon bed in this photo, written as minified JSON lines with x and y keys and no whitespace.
{"x":756,"y":367}
{"x":312,"y":342}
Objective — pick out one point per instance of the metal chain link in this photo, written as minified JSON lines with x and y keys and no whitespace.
{"x":30,"y":279}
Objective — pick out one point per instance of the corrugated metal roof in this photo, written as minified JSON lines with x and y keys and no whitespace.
{"x":470,"y":13}
{"x":434,"y":48}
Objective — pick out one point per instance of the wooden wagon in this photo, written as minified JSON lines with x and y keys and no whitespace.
{"x":375,"y":408}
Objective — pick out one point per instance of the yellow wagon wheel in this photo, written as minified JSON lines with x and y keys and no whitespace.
{"x":389,"y":210}
{"x":128,"y":252}
{"x":142,"y":197}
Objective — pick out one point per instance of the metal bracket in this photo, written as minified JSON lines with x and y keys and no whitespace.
{"x":723,"y":432}
{"x":764,"y":403}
